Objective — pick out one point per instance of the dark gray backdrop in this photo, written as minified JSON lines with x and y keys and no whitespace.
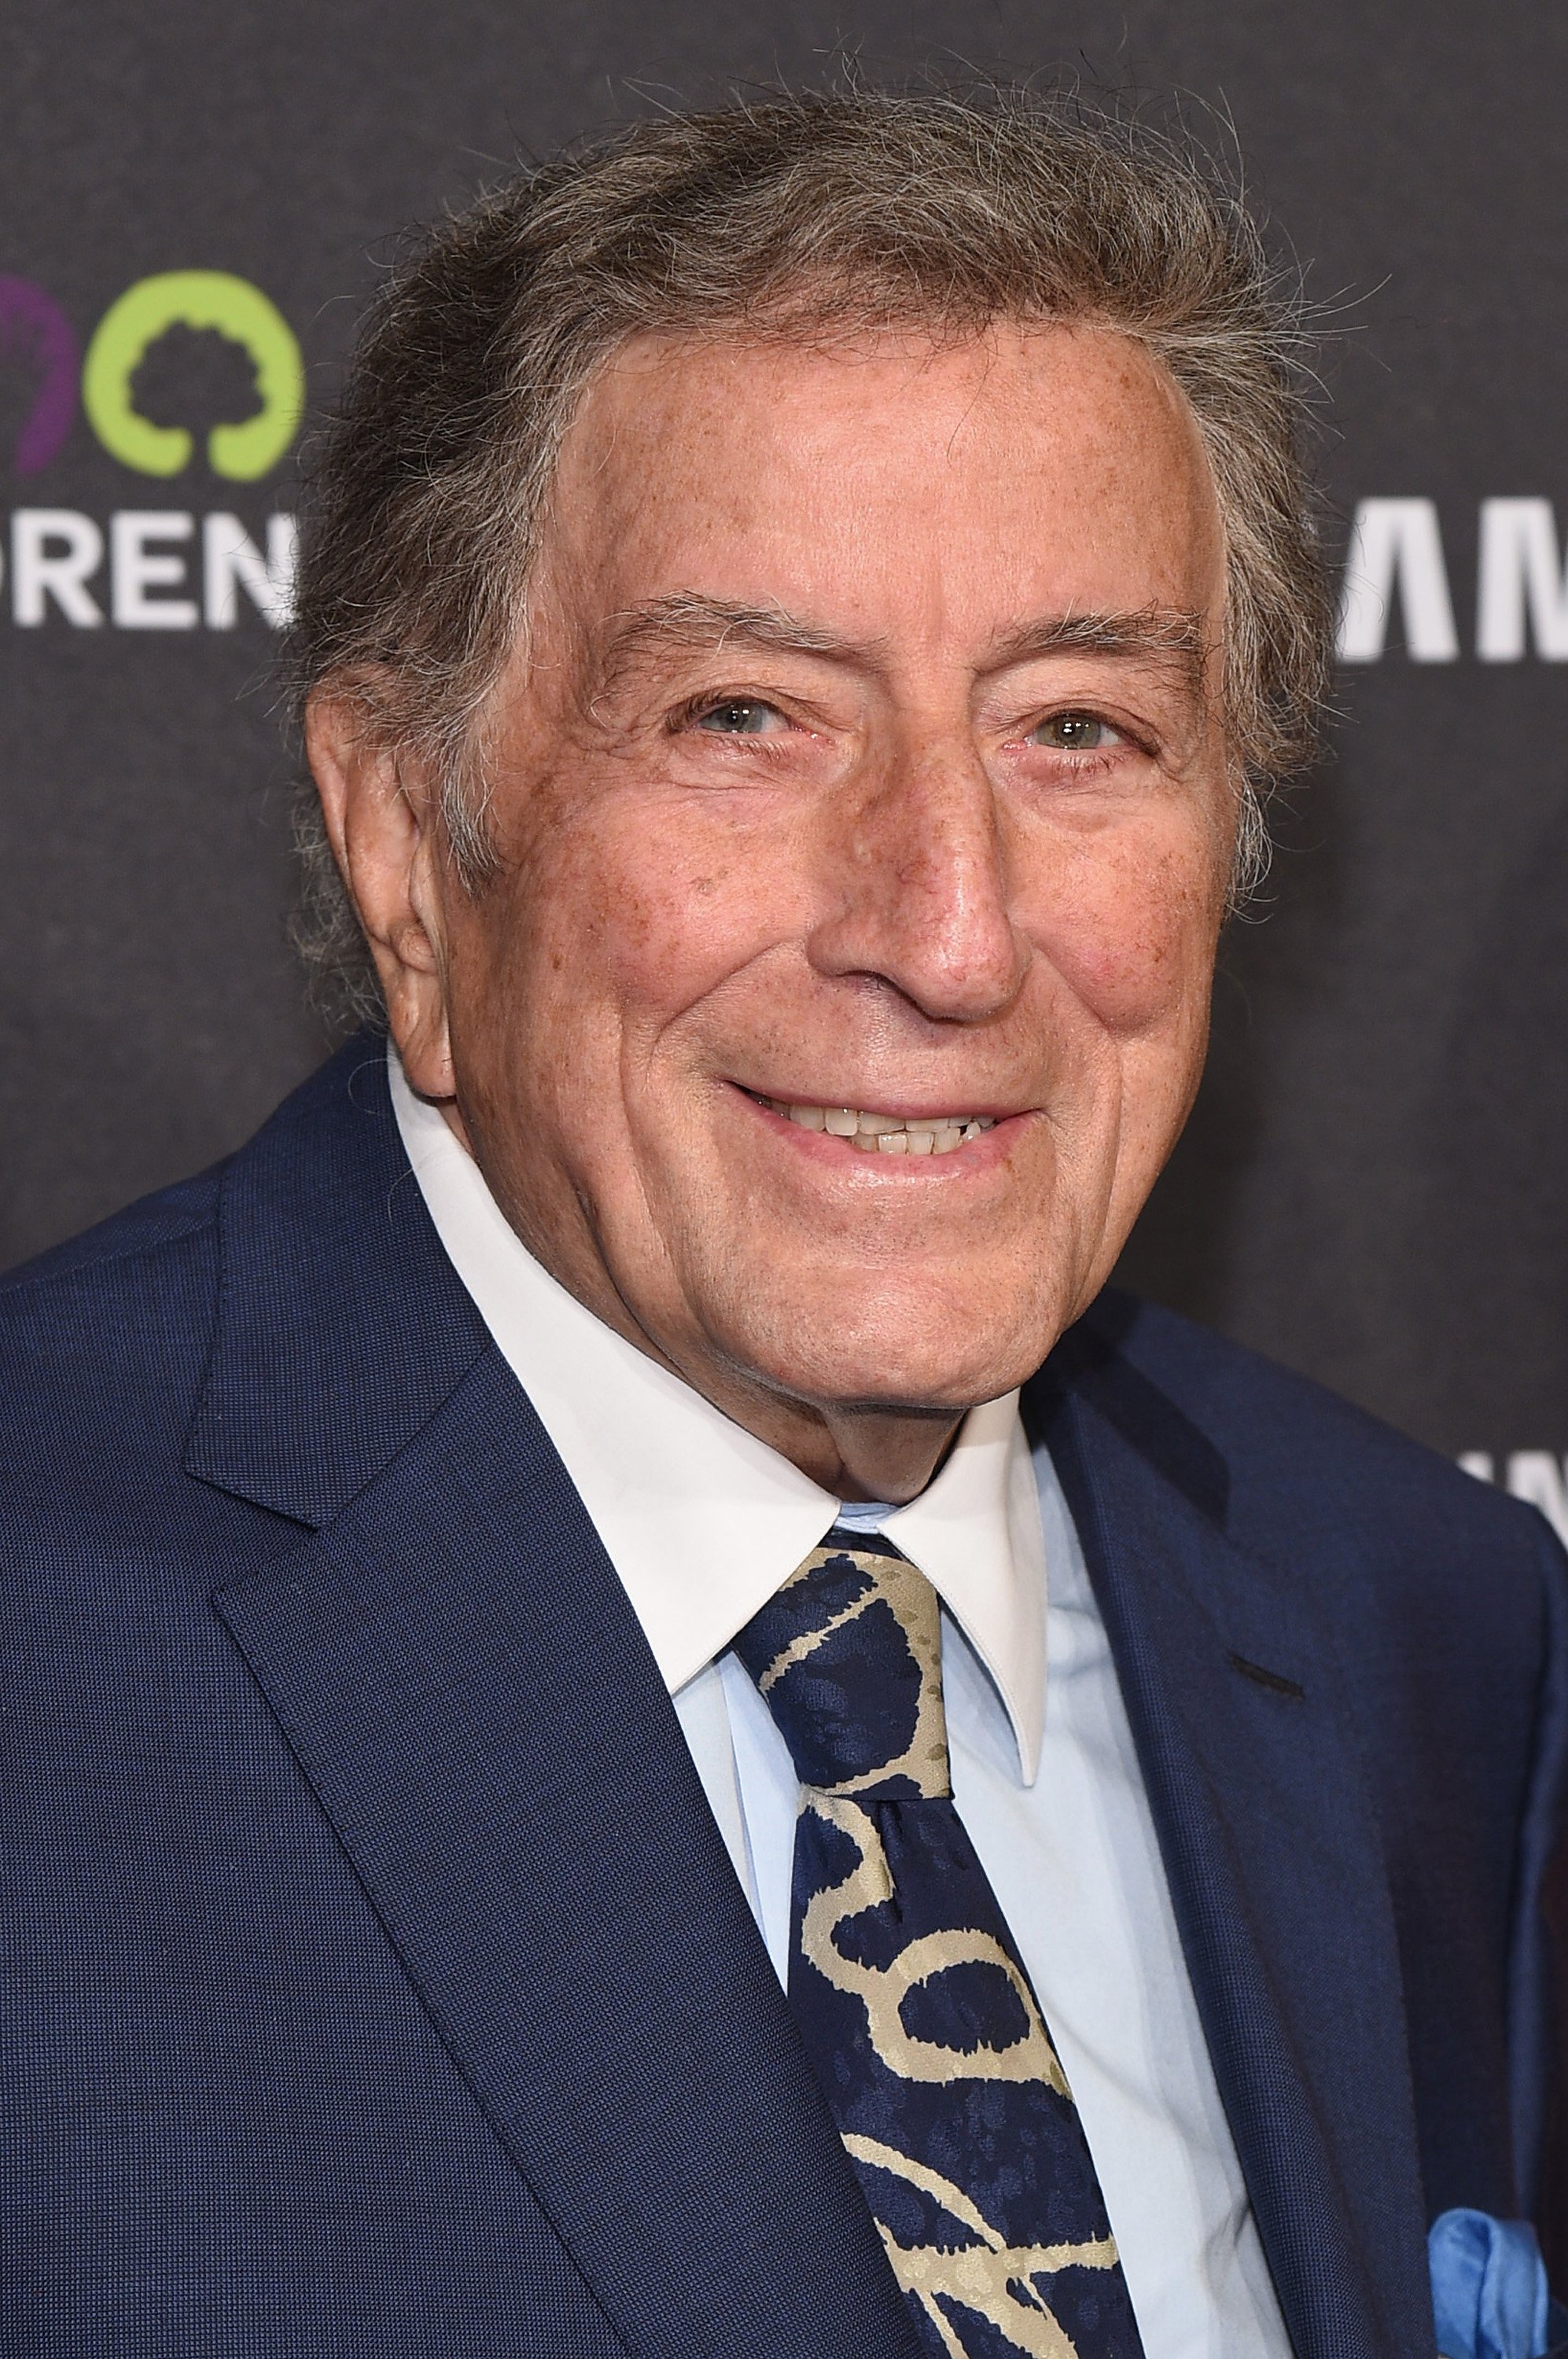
{"x":1372,"y":1185}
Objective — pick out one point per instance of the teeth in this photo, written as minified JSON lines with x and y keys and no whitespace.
{"x":889,"y":1133}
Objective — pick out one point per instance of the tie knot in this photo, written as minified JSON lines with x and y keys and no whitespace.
{"x":848,"y":1658}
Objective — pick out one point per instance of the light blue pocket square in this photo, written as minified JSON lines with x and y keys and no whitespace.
{"x":1488,"y":2289}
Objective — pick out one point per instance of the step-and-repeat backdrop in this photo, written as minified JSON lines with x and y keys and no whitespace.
{"x":196,"y":201}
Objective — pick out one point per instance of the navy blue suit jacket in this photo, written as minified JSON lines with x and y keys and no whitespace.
{"x":375,"y":1979}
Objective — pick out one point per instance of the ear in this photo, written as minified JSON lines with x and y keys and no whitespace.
{"x":381,"y":823}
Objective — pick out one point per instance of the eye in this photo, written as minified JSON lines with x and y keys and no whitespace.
{"x":1076,"y":733}
{"x":739,"y":716}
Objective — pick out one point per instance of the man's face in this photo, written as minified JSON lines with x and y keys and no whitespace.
{"x":864,"y":762}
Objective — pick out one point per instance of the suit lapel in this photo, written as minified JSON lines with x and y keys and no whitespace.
{"x":462,"y":1681}
{"x":1273,"y":1860}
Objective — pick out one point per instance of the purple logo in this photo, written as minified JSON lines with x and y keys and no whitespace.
{"x":35,"y":333}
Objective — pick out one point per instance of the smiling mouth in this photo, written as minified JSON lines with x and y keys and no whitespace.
{"x":886,"y":1134}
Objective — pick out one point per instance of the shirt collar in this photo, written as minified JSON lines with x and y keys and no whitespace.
{"x":975,"y":1534}
{"x":701,"y":1521}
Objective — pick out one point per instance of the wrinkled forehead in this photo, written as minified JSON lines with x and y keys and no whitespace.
{"x":889,"y":479}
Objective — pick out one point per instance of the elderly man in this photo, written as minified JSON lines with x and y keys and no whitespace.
{"x":648,"y":1725}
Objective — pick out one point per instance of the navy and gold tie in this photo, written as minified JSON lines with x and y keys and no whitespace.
{"x":915,"y":2012}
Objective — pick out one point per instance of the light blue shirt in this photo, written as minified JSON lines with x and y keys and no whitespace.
{"x":702,"y":1522}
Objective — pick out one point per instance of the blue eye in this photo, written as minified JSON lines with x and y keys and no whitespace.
{"x":737,"y":716}
{"x":1075,"y":733}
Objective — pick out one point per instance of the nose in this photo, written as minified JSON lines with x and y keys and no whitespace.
{"x":917,"y":895}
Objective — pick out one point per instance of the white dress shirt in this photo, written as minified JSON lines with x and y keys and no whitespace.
{"x":702,"y":1522}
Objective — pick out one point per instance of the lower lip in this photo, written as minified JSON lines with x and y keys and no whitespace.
{"x":976,"y":1156}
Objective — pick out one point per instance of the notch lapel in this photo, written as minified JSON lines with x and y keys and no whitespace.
{"x":1274,"y":1864}
{"x":466,"y":1686}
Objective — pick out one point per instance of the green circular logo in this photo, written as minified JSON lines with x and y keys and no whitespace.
{"x":193,"y":299}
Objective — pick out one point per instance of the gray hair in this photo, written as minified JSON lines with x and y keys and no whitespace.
{"x":797,"y":217}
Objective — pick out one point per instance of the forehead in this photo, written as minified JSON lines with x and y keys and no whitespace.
{"x":895,"y":484}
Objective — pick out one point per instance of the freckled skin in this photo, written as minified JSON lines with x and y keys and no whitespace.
{"x":895,"y":891}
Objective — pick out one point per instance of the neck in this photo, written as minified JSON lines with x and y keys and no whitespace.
{"x":858,"y":1453}
{"x":877,"y":1453}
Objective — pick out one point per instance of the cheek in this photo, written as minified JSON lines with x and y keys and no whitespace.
{"x":620,"y":924}
{"x":1132,"y":927}
{"x":671,"y":926}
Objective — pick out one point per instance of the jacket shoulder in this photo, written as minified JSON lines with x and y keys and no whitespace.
{"x":1267,"y":1450}
{"x":103,"y":1344}
{"x":83,"y":1264}
{"x":147,"y":1257}
{"x":105,"y":1339}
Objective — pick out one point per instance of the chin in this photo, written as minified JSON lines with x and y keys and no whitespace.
{"x":883,"y":1352}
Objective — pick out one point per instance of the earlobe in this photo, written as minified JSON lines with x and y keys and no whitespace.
{"x":376,"y":822}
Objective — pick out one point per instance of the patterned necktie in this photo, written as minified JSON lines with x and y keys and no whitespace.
{"x":917,"y":2015}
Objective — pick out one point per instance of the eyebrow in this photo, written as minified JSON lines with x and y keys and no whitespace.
{"x":690,"y":620}
{"x":1173,"y":635}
